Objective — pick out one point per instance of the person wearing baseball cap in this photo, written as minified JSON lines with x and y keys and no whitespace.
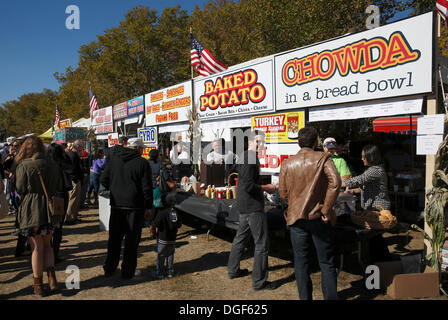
{"x":331,"y":146}
{"x":128,"y":176}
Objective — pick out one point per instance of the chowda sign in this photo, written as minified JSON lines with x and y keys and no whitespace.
{"x":389,"y":61}
{"x":236,"y":92}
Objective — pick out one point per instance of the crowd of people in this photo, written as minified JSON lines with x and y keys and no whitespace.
{"x":142,"y":193}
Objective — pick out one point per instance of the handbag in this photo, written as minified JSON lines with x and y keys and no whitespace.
{"x":56,"y":204}
{"x":165,"y":186}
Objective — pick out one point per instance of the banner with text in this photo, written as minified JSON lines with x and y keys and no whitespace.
{"x":148,"y":136}
{"x":280,"y":127}
{"x":65,"y":123}
{"x":135,"y":106}
{"x":168,"y":105}
{"x":120,"y":110}
{"x":273,"y":156}
{"x":102,"y":120}
{"x":112,"y":139}
{"x":247,"y":90}
{"x":389,"y":61}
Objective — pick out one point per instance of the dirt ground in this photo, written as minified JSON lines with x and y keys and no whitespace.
{"x":200,"y":264}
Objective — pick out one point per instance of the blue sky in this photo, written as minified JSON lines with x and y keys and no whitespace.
{"x":35,"y":42}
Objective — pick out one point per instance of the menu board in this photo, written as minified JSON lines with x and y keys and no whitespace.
{"x":168,"y":105}
{"x":120,"y":110}
{"x":280,"y":127}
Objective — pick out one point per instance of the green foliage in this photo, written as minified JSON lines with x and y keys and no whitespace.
{"x":436,"y":211}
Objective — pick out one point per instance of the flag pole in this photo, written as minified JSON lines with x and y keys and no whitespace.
{"x":196,"y":168}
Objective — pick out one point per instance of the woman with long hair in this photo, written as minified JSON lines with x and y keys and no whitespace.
{"x":34,"y":217}
{"x":57,"y":153}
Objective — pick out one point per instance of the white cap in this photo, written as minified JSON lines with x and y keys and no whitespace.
{"x":330,"y":143}
{"x":136,"y":142}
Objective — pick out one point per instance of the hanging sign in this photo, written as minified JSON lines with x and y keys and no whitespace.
{"x":168,"y":105}
{"x":148,"y":136}
{"x":273,"y":156}
{"x":280,"y":127}
{"x":389,"y":61}
{"x":65,"y":123}
{"x":239,"y":91}
{"x":112,"y":139}
{"x":135,"y":106}
{"x":120,"y":110}
{"x":102,"y":120}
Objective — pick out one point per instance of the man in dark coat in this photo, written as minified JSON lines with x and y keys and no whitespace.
{"x":128,"y":176}
{"x":77,"y":176}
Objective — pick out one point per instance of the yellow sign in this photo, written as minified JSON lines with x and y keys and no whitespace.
{"x":146,"y":151}
{"x":280,"y":127}
{"x":65,"y":123}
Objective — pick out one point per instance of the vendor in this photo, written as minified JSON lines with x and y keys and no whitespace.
{"x":373,"y":188}
{"x":372,"y":183}
{"x":331,"y":146}
{"x":219,"y":154}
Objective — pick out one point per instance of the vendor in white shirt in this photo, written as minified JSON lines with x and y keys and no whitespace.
{"x":218,"y":155}
{"x":180,"y":156}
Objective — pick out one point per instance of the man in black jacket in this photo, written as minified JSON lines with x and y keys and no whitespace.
{"x":250,"y":204}
{"x":77,"y":175}
{"x":128,"y":177}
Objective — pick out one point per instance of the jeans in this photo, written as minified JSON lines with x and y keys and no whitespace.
{"x":165,"y":252}
{"x":324,"y":240}
{"x":257,"y":225}
{"x":127,"y":224}
{"x":94,"y":183}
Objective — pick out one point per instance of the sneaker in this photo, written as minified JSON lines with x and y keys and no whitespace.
{"x":157,"y":275}
{"x":239,"y":274}
{"x":267,"y":286}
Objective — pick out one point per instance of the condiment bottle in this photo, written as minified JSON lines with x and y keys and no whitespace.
{"x":208,"y":191}
{"x":228,"y":193}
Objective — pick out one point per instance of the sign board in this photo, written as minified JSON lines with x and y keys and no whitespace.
{"x":102,"y":120}
{"x":273,"y":156}
{"x":69,"y":134}
{"x":146,"y":152}
{"x":428,"y":144}
{"x":366,"y":110}
{"x":112,"y":139}
{"x":239,"y":91}
{"x":120,"y":110}
{"x":168,"y":105}
{"x":135,"y":106}
{"x":280,"y":127}
{"x":65,"y":123}
{"x":389,"y":61}
{"x":148,"y":135}
{"x":430,"y":124}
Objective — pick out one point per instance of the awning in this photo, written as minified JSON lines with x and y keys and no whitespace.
{"x":47,"y":136}
{"x":397,"y":125}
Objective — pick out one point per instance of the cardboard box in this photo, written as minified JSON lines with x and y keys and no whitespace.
{"x":401,"y":285}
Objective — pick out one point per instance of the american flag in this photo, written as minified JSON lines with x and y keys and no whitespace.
{"x":442,"y":8}
{"x":93,"y":103}
{"x":203,"y":60}
{"x":57,"y":117}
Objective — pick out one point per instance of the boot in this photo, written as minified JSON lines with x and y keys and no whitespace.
{"x":52,"y":282}
{"x":39,"y":286}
